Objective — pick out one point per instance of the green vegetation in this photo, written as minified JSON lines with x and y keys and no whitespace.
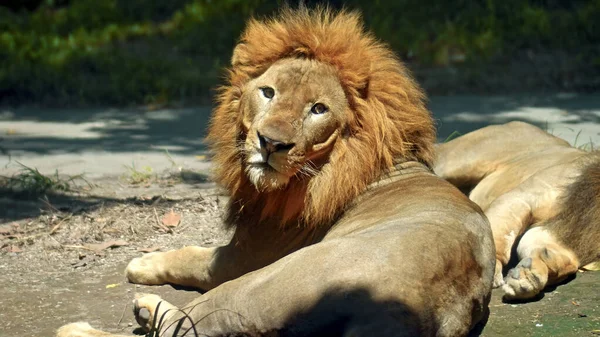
{"x":29,"y":181}
{"x":143,"y":176}
{"x":79,"y":52}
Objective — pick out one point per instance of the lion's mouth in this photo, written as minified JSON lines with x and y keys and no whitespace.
{"x":263,"y":166}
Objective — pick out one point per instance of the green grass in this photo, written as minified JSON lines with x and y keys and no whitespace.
{"x":31,"y":182}
{"x":143,"y":176}
{"x":453,"y":135}
{"x":139,"y":52}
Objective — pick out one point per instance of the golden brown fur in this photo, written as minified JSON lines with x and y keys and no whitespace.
{"x":335,"y":209}
{"x":388,"y":119}
{"x":537,"y":191}
{"x":577,"y":224}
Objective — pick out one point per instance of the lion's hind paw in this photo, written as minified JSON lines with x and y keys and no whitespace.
{"x":524,"y":281}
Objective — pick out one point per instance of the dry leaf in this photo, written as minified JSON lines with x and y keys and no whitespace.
{"x":108,"y":286}
{"x":171,"y":219}
{"x":104,"y":245}
{"x":148,"y":250}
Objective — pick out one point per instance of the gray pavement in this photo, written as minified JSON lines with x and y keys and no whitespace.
{"x":102,"y":142}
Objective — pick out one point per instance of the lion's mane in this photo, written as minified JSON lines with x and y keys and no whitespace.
{"x":388,"y":123}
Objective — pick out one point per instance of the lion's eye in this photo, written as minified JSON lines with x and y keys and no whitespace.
{"x":268,"y":92}
{"x":319,"y":108}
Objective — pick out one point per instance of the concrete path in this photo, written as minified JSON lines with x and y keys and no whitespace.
{"x":102,"y":142}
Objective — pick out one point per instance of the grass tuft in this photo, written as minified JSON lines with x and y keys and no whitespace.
{"x":143,"y":176}
{"x":32,"y":182}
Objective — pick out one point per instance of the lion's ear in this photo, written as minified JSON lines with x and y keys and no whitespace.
{"x":239,"y":53}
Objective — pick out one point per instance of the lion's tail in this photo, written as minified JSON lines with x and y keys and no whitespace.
{"x":577,"y":225}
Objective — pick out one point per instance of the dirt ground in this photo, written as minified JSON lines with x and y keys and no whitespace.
{"x":57,"y":267}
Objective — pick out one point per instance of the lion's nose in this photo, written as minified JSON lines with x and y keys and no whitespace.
{"x":272,"y":145}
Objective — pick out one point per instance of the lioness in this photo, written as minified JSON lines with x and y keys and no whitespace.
{"x":533,"y":184}
{"x":341,"y":228}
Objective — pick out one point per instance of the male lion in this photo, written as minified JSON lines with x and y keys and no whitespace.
{"x":341,"y":228}
{"x":528,"y":181}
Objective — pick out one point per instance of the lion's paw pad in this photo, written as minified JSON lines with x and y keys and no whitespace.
{"x":522,"y":282}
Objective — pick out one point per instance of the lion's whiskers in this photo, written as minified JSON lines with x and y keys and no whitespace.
{"x":307,"y":170}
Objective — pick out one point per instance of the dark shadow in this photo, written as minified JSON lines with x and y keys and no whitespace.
{"x":18,"y":206}
{"x":182,"y":131}
{"x":139,"y":331}
{"x":534,"y":299}
{"x":553,"y":287}
{"x":357,"y":313}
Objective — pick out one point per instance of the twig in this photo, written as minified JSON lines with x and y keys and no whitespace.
{"x":60,"y":244}
{"x":47,"y":203}
{"x":57,"y":226}
{"x":122,"y":314}
{"x":79,"y":247}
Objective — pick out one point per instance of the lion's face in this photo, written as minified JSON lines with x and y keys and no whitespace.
{"x":292,"y":116}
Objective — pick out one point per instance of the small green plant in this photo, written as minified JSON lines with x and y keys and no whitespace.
{"x":454,"y":134}
{"x":32,"y":182}
{"x":588,"y":147}
{"x":142,"y":176}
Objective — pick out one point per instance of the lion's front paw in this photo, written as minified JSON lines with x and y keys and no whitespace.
{"x":151,"y":311}
{"x":498,"y":278}
{"x":524,"y":281}
{"x":146,"y":270}
{"x":79,"y":329}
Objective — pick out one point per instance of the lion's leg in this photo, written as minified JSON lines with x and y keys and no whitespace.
{"x":188,"y":266}
{"x":512,"y":213}
{"x":206,"y":268}
{"x":509,"y":216}
{"x":82,"y":329}
{"x":544,"y":261}
{"x":198,"y":267}
{"x":466,"y":160}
